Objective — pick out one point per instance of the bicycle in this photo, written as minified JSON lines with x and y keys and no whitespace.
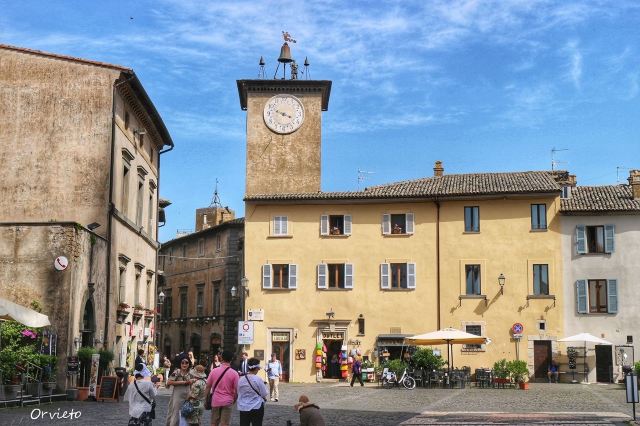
{"x":390,"y":379}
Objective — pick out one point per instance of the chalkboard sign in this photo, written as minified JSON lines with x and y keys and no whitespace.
{"x":108,"y":388}
{"x":572,"y":354}
{"x":72,"y":364}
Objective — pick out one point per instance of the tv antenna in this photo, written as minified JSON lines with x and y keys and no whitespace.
{"x":618,"y":168}
{"x":362,"y":175}
{"x":554,"y":162}
{"x":215,"y":201}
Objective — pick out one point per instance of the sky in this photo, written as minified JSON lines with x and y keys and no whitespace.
{"x":484,"y":86}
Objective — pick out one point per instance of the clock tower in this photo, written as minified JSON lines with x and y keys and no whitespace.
{"x":284,"y":130}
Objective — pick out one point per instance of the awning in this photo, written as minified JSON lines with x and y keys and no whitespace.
{"x":29,"y":317}
{"x":395,"y":339}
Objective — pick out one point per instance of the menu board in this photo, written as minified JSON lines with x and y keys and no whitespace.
{"x":108,"y":388}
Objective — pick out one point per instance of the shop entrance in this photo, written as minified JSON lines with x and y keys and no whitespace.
{"x":333,"y":358}
{"x":541,"y":358}
{"x":280,"y":345}
{"x":604,"y":363}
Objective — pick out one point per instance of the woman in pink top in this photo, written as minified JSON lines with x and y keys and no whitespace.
{"x":223,"y":383}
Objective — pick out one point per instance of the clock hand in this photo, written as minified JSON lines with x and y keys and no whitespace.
{"x":284,"y":114}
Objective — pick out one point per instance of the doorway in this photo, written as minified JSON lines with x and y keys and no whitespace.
{"x":333,"y":358}
{"x":281,"y":349}
{"x":541,"y":359}
{"x":604,"y":363}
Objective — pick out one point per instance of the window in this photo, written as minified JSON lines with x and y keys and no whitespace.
{"x":125,"y":189}
{"x":280,"y":225}
{"x":397,"y":224}
{"x":139,"y":201}
{"x":136,"y":291}
{"x":151,"y":210}
{"x":335,"y":225}
{"x":335,"y":275}
{"x":538,"y":216}
{"x":595,"y":239}
{"x":281,"y":275}
{"x":184,"y":252}
{"x":127,"y":120}
{"x":566,"y":192}
{"x":141,"y":139}
{"x":541,"y":280}
{"x":216,"y":297}
{"x":200,"y":300}
{"x":475,"y":329}
{"x":201,"y":247}
{"x":360,"y":326}
{"x":148,"y":303}
{"x":597,"y":296}
{"x":121,"y":284}
{"x":168,"y":305}
{"x":171,"y":255}
{"x":472,"y":219}
{"x":398,"y":276}
{"x":472,"y":274}
{"x":218,"y":243}
{"x":183,"y":302}
{"x":183,"y":340}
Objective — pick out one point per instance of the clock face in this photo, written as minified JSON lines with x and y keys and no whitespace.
{"x":284,"y":114}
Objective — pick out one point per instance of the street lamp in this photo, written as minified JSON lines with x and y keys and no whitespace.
{"x":501,"y":281}
{"x":161,"y":297}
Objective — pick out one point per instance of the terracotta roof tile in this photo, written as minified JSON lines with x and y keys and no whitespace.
{"x":594,"y":199}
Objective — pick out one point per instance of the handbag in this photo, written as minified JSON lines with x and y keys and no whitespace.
{"x":187,"y":408}
{"x":152,"y":413}
{"x":207,"y":399}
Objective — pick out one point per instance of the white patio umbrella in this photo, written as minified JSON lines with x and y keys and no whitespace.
{"x":585,"y":338}
{"x":448,"y":336}
{"x":26,"y":316}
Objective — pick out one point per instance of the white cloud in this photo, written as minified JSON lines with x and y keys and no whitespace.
{"x":574,"y":54}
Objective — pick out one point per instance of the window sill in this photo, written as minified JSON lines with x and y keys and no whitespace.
{"x":539,"y":230}
{"x":541,"y":296}
{"x":594,"y":253}
{"x":335,"y":289}
{"x":335,"y":236}
{"x":279,"y":236}
{"x":398,"y":289}
{"x":397,"y":235}
{"x":471,"y":232}
{"x":473,"y":297}
{"x":278,"y":289}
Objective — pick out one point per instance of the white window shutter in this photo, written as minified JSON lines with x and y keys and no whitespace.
{"x":612,"y":296}
{"x":322,"y":275}
{"x":266,"y":276}
{"x":276,"y":225}
{"x":347,"y":224}
{"x":581,"y":293}
{"x":386,"y":224}
{"x":609,"y":243}
{"x":324,"y":224}
{"x":409,"y":223}
{"x":411,"y":275}
{"x":293,"y":276}
{"x":581,"y":239}
{"x":384,"y":276}
{"x":348,"y":275}
{"x":284,"y":226}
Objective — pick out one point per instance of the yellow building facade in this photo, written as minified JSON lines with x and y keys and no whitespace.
{"x":362,"y":270}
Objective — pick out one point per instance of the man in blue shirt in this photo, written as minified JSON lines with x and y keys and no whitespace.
{"x":552,"y":373}
{"x":274,"y":374}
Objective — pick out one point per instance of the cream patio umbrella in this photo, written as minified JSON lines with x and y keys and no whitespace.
{"x":585,"y":338}
{"x":448,"y":336}
{"x":29,"y":317}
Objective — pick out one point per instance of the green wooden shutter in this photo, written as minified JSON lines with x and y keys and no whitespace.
{"x":322,"y":275}
{"x":348,"y":275}
{"x":266,"y":276}
{"x":293,"y":276}
{"x":581,"y":293}
{"x":612,"y":296}
{"x":609,"y":243}
{"x":347,"y":224}
{"x":581,"y":239}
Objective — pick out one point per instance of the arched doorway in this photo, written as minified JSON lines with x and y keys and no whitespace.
{"x":88,"y":328}
{"x":215,"y":343}
{"x":196,"y":344}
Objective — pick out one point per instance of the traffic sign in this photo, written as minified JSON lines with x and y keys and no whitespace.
{"x":517,"y":328}
{"x":245,"y":332}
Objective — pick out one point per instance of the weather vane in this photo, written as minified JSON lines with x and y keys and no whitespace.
{"x":287,"y":37}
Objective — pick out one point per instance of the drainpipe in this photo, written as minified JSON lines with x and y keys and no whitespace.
{"x":111,"y":207}
{"x":437,"y":203}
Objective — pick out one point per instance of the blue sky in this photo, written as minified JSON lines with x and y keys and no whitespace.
{"x":481,"y":85}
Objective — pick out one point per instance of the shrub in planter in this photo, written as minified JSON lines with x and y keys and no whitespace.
{"x":395,"y":365}
{"x":84,"y":355}
{"x":106,"y":356}
{"x":426,"y":359}
{"x":501,"y":369}
{"x":519,"y":371}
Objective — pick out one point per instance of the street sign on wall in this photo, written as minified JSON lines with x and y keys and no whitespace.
{"x":245,"y":332}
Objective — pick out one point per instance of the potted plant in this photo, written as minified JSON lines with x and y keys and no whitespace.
{"x":84,"y":355}
{"x":106,"y":356}
{"x":122,"y":312}
{"x":519,"y":373}
{"x":501,"y":371}
{"x":425,"y":358}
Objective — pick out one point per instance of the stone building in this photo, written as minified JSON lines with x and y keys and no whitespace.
{"x":79,"y":177}
{"x":201,"y":282}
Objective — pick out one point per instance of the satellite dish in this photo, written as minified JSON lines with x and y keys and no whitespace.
{"x":60,"y":263}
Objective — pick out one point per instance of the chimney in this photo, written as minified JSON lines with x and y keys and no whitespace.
{"x":438,"y":170}
{"x":572,"y":181}
{"x":634,"y":181}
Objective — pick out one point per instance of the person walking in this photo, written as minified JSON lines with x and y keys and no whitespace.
{"x":166,"y":363}
{"x":223,"y":384}
{"x":252,"y":394}
{"x":196,"y":397}
{"x":356,"y":371}
{"x":141,"y":361}
{"x":181,"y":381}
{"x":309,"y":412}
{"x":242,"y":365}
{"x":274,"y":374}
{"x":139,"y":397}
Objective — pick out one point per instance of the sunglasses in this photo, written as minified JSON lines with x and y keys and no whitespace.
{"x":184,"y":362}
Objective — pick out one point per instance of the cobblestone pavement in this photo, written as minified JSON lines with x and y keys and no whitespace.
{"x":343,"y":405}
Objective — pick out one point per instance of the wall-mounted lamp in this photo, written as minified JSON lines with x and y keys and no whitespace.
{"x":245,"y":285}
{"x":234,"y":291}
{"x":161,"y":297}
{"x":501,"y":281}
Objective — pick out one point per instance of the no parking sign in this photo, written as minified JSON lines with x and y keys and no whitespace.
{"x":517,"y":329}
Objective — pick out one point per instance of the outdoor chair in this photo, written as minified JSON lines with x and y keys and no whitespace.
{"x":436,"y":378}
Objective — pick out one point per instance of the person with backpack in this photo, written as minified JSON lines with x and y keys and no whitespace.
{"x":140,"y":398}
{"x":193,"y":408}
{"x":223,"y":385}
{"x":252,"y":394}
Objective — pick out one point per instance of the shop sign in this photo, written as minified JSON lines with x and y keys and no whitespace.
{"x":245,"y":332}
{"x":279,"y":337}
{"x":256,"y":314}
{"x":336,"y":335}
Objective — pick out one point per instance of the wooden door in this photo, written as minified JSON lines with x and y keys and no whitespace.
{"x":541,"y":358}
{"x":281,"y":349}
{"x":604,"y":363}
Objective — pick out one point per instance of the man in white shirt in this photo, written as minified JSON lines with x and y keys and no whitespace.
{"x":274,"y":374}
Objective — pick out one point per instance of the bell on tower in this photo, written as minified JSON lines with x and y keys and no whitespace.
{"x":285,"y":56}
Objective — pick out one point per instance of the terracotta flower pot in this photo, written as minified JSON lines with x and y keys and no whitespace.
{"x":524,"y":385}
{"x":83,"y":394}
